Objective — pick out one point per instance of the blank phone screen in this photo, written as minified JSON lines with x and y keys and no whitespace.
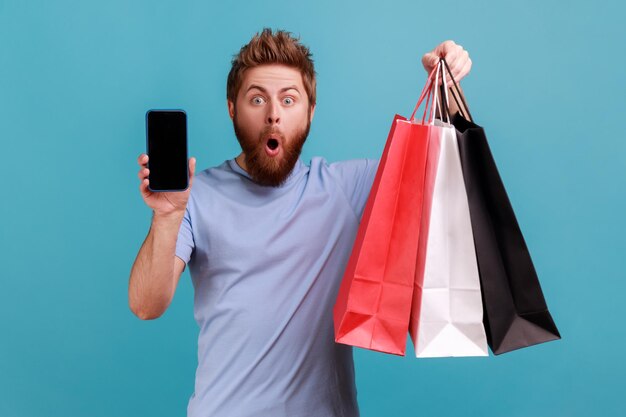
{"x":167,"y":150}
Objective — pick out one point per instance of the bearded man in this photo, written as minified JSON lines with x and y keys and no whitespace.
{"x":267,"y":238}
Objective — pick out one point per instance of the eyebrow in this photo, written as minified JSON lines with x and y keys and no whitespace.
{"x":282,"y":90}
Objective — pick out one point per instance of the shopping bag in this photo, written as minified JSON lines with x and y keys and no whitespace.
{"x":516,"y":314}
{"x":515,"y":310}
{"x":446,"y":315}
{"x":374,"y":300}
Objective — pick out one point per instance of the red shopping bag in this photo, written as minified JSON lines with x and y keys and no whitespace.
{"x":373,"y":306}
{"x":374,"y":301}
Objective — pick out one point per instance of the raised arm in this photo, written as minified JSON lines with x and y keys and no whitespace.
{"x":156,"y":270}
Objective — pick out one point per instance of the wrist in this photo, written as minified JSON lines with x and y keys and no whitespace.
{"x":168,"y":217}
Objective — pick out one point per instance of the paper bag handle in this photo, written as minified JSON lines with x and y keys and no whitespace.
{"x":456,"y":87}
{"x":427,"y":92}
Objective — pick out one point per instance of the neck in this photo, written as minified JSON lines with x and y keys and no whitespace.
{"x":241,"y":161}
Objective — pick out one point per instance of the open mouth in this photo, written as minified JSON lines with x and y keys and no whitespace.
{"x":272,"y":146}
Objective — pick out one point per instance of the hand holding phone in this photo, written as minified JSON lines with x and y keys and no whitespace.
{"x":163,"y":203}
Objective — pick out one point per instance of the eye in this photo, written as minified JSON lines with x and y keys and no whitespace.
{"x":288,"y":101}
{"x":257,"y":100}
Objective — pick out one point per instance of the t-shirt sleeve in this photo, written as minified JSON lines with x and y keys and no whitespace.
{"x":185,"y":242}
{"x":356,"y":178}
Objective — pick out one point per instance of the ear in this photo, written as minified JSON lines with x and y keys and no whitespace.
{"x":231,"y":109}
{"x":312,"y":112}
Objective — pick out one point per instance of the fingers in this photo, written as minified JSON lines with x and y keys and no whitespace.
{"x":143,"y":173}
{"x":192,"y":166}
{"x":429,"y":60}
{"x":143,"y":187}
{"x":460,"y":68}
{"x":456,"y":57}
{"x":142,"y":159}
{"x":446,"y":50}
{"x":144,"y":182}
{"x":464,"y":71}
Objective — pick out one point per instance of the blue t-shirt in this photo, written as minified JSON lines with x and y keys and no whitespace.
{"x":266,"y":264}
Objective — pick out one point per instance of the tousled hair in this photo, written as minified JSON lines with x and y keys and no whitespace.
{"x":269,"y":47}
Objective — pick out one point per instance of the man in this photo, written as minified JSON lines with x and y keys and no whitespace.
{"x":267,"y":239}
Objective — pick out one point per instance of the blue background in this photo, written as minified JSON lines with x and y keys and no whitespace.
{"x":76,"y":78}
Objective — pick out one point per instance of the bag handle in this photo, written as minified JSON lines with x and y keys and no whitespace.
{"x":427,"y":93}
{"x":444,"y":110}
{"x":456,"y":87}
{"x":425,"y":90}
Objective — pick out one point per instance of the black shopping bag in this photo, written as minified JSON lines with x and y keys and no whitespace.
{"x":515,"y":311}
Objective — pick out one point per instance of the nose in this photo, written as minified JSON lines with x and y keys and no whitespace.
{"x":273,"y":113}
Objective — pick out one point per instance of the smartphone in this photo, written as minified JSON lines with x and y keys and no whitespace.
{"x":166,"y":144}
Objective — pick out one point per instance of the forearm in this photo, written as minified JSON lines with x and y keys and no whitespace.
{"x":151,"y":285}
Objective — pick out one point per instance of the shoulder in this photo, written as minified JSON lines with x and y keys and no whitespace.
{"x":349,"y":174}
{"x":340,"y":167}
{"x":353,"y":168}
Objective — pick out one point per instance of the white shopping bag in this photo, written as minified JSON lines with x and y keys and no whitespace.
{"x":447,"y":311}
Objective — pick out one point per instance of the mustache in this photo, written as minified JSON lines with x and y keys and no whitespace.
{"x":271,"y":132}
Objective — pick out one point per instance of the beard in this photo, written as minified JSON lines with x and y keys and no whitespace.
{"x":268,"y":170}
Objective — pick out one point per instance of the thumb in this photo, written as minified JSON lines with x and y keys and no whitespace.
{"x":429,"y":61}
{"x":192,"y":169}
